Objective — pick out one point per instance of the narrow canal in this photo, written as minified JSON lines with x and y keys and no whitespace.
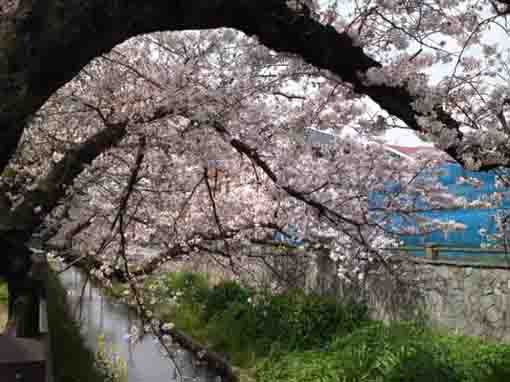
{"x":145,"y":360}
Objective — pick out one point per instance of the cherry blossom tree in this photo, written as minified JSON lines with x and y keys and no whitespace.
{"x":282,"y":25}
{"x":176,"y":202}
{"x":171,"y":103}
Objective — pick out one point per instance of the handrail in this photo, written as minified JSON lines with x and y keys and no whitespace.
{"x":444,"y":248}
{"x":456,"y":263}
{"x":432,"y":255}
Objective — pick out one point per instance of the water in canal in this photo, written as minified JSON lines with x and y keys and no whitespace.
{"x":145,"y":360}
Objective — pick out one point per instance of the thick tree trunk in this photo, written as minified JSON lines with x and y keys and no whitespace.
{"x":19,"y":224}
{"x":23,"y":219}
{"x":45,"y":43}
{"x":26,"y":312}
{"x":25,"y":280}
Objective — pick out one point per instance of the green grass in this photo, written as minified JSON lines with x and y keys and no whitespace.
{"x":4,"y":295}
{"x":295,"y":337}
{"x":4,"y":304}
{"x":396,"y":353}
{"x":73,"y":361}
{"x":244,"y":325}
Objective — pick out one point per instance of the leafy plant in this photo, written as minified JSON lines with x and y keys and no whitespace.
{"x":270,"y":325}
{"x":4,"y":294}
{"x":222,"y":296}
{"x":400,"y":352}
{"x":109,"y":363}
{"x":193,"y":286}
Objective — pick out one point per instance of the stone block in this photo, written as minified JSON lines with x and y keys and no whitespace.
{"x":494,"y":315}
{"x":486,"y":301}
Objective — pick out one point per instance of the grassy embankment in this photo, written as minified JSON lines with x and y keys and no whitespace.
{"x":3,"y":304}
{"x":298,"y":338}
{"x":73,"y":361}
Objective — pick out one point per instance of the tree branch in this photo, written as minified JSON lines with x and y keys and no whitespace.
{"x":37,"y":203}
{"x":76,"y":32}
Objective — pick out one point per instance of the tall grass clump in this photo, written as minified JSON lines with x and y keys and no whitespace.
{"x":400,"y":352}
{"x":286,"y":322}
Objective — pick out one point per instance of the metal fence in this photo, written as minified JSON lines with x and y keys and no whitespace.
{"x":494,"y":256}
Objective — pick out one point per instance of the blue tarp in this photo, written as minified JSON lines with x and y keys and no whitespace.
{"x":474,"y":218}
{"x":448,"y":175}
{"x":290,"y":237}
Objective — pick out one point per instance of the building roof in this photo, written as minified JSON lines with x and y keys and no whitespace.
{"x":419,"y":152}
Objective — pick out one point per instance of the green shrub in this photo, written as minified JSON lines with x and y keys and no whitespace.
{"x":4,"y":303}
{"x":222,"y":296}
{"x":111,"y":365}
{"x":493,"y":361}
{"x":300,"y":321}
{"x":187,"y":318}
{"x":4,"y":294}
{"x":372,"y":353}
{"x":476,"y":360}
{"x":398,"y":352}
{"x":193,"y":286}
{"x":276,"y":324}
{"x":232,"y":334}
{"x":414,"y":362}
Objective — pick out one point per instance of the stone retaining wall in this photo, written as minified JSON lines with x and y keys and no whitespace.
{"x":471,"y":299}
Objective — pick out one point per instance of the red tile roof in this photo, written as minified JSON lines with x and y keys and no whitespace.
{"x":421,"y":152}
